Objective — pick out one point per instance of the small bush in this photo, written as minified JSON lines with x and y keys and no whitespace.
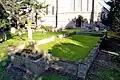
{"x":47,"y":28}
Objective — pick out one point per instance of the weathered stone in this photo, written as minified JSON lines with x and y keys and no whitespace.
{"x":4,"y":64}
{"x":60,"y":36}
{"x":65,"y":67}
{"x":100,"y":41}
{"x":13,"y":30}
{"x":82,"y":70}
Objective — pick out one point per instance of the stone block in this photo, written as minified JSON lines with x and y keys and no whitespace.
{"x":13,"y":30}
{"x":60,"y":36}
{"x":100,"y":41}
{"x":82,"y":70}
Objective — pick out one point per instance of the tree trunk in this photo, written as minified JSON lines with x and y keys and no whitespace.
{"x":92,"y":13}
{"x":36,"y":19}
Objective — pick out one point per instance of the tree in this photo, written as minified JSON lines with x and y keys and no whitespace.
{"x":114,"y":16}
{"x":21,"y":9}
{"x":37,"y":7}
{"x":3,"y":22}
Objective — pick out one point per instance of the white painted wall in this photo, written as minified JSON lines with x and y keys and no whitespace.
{"x":66,"y":11}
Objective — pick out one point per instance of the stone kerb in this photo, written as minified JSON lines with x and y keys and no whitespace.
{"x":65,"y":67}
{"x":89,"y":34}
{"x":85,"y":64}
{"x":80,"y":70}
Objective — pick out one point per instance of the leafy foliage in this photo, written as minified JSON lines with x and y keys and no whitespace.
{"x":20,"y":10}
{"x":109,"y":74}
{"x":3,"y":23}
{"x":35,"y":6}
{"x":114,"y":15}
{"x":47,"y":28}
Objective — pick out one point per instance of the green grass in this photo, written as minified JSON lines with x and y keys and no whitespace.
{"x":71,"y":30}
{"x":73,"y":48}
{"x":39,"y":35}
{"x":95,"y":32}
{"x":3,"y":47}
{"x":15,"y":40}
{"x":53,"y":77}
{"x":109,"y":74}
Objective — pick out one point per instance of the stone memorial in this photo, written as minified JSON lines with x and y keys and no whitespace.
{"x":60,"y":36}
{"x":13,"y":30}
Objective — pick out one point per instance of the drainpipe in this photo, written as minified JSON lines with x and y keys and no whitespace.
{"x":56,"y":19}
{"x":74,"y":6}
{"x":92,"y":13}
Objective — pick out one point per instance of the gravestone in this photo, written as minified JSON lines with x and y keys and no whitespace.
{"x":13,"y":30}
{"x":60,"y":36}
{"x":96,"y":29}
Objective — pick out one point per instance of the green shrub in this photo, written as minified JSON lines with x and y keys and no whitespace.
{"x":47,"y":28}
{"x":3,"y":23}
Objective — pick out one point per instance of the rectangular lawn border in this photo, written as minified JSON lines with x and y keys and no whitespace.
{"x":86,"y":63}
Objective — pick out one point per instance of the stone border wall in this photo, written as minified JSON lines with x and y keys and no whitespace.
{"x":86,"y":63}
{"x":78,"y":69}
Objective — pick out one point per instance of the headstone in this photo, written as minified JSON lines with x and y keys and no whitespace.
{"x":58,"y":29}
{"x":96,"y":29}
{"x":52,"y":38}
{"x":4,"y":64}
{"x":53,"y":29}
{"x":13,"y":30}
{"x":60,"y":36}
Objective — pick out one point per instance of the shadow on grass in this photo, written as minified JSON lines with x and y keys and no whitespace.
{"x":96,"y":34}
{"x":87,"y":41}
{"x":68,"y":51}
{"x":76,"y":50}
{"x":5,"y":35}
{"x":9,"y":36}
{"x":54,"y":77}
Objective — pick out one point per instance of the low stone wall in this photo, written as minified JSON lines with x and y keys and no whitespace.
{"x":90,"y":34}
{"x":85,"y":64}
{"x":78,"y":69}
{"x":65,"y":67}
